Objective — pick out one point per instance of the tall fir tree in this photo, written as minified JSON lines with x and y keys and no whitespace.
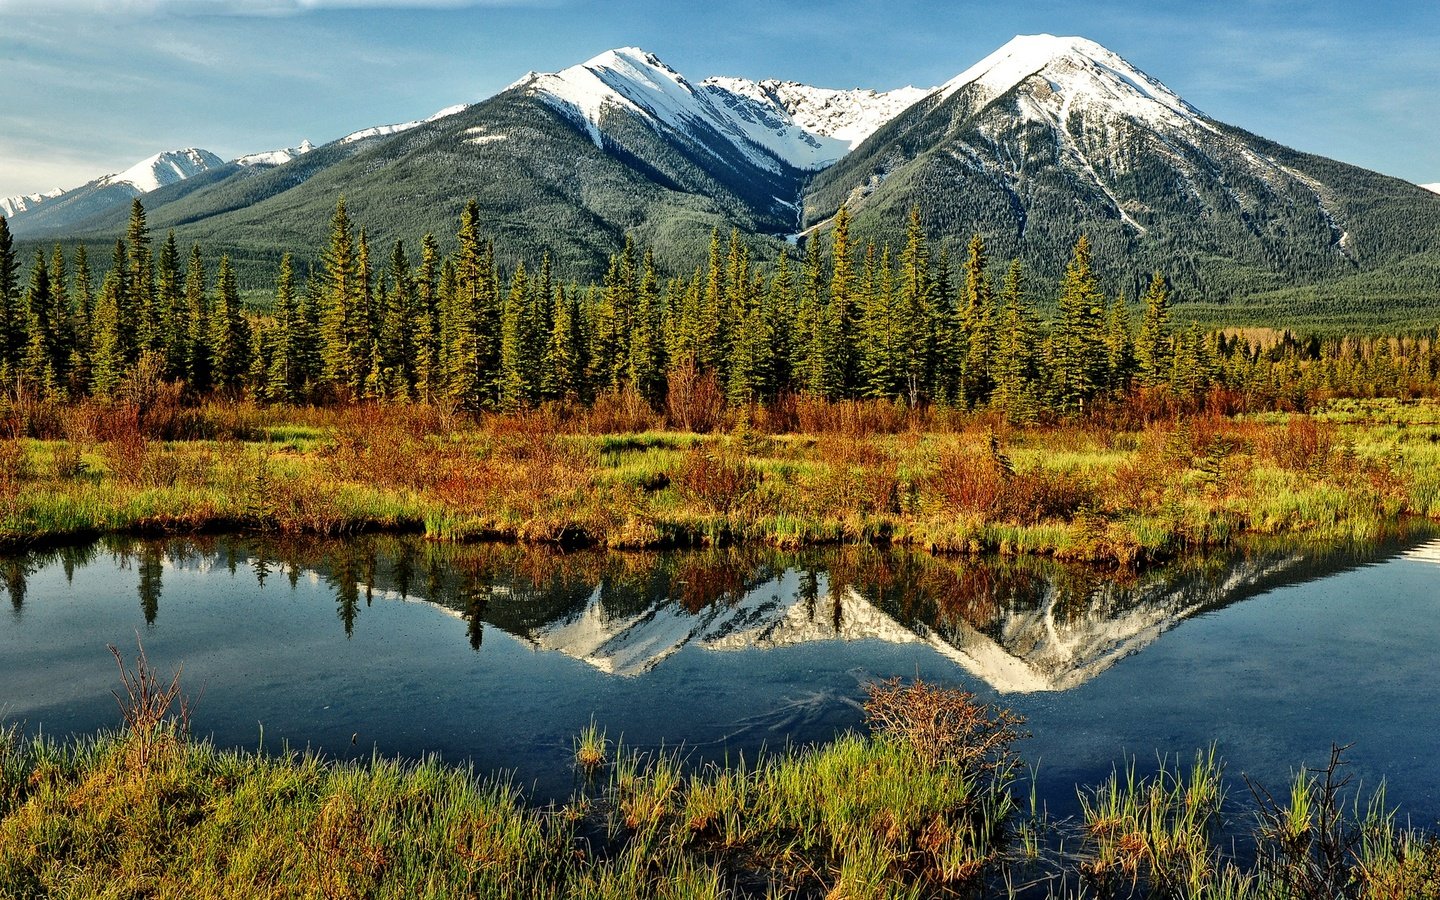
{"x":917,"y":313}
{"x":230,"y":339}
{"x":200,"y":366}
{"x":839,"y":375}
{"x":10,"y":311}
{"x":173,"y":328}
{"x":284,"y":374}
{"x":977,"y":321}
{"x":1154,"y":351}
{"x":1080,"y":362}
{"x":1017,"y":352}
{"x":342,"y":302}
{"x":41,"y":364}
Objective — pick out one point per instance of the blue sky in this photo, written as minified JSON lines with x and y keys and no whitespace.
{"x":92,"y":86}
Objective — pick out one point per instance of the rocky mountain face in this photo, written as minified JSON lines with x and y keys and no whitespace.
{"x":1044,"y":139}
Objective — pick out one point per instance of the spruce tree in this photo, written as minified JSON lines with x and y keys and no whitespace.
{"x":427,"y":323}
{"x":917,"y":313}
{"x":142,"y":318}
{"x":107,"y":360}
{"x":396,"y":349}
{"x":230,"y":339}
{"x":41,"y":364}
{"x":1119,"y":347}
{"x":82,"y":307}
{"x":977,"y":321}
{"x":342,"y":301}
{"x":839,"y":375}
{"x":1017,"y":352}
{"x":1154,"y":353}
{"x":200,"y":367}
{"x":10,"y":313}
{"x":173,"y":328}
{"x":646,"y":353}
{"x":1079,"y":358}
{"x":283,"y":376}
{"x":513,"y":388}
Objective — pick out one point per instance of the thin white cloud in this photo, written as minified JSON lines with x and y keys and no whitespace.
{"x":241,"y":7}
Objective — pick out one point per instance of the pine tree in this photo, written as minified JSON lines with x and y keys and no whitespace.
{"x":949,"y":337}
{"x":427,"y":322}
{"x":709,"y":349}
{"x":1154,"y":351}
{"x":396,"y":348}
{"x":107,"y":360}
{"x":64,"y":324}
{"x":977,"y":321}
{"x":173,"y":328}
{"x":41,"y":363}
{"x":82,"y":307}
{"x":646,"y":353}
{"x":141,"y":319}
{"x":513,"y":389}
{"x":567,"y":361}
{"x":200,"y":366}
{"x":10,"y":313}
{"x":781,"y":312}
{"x":342,"y":301}
{"x":1017,"y":352}
{"x":474,"y":357}
{"x":230,"y":339}
{"x":283,"y":376}
{"x":1080,"y":363}
{"x":839,"y":374}
{"x":916,"y":312}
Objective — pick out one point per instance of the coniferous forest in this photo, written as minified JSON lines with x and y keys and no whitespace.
{"x":838,"y":322}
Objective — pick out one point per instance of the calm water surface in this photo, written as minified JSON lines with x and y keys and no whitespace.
{"x":500,"y":655}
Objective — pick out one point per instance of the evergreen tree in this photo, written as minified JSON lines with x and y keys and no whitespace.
{"x":646,"y":353}
{"x":82,"y":305}
{"x":427,"y":323}
{"x":41,"y":364}
{"x":917,"y":313}
{"x":977,"y":321}
{"x":342,"y":300}
{"x":838,"y":376}
{"x":781,"y":310}
{"x":107,"y":359}
{"x":200,"y":366}
{"x":141,"y":319}
{"x":230,"y":339}
{"x":284,"y":375}
{"x":1080,"y":362}
{"x":173,"y":328}
{"x":396,"y":348}
{"x":949,"y":365}
{"x":64,"y":324}
{"x":10,"y":313}
{"x":1154,"y":353}
{"x":1017,"y":352}
{"x":566,"y":370}
{"x":513,"y":389}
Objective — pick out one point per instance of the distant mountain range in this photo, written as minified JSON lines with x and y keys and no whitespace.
{"x":1044,"y":139}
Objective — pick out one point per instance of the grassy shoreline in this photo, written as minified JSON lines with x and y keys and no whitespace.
{"x":927,"y":803}
{"x":1119,"y":493}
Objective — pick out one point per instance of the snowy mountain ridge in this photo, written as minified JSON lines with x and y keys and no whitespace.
{"x":13,"y":206}
{"x":1434,"y":188}
{"x":772,"y":123}
{"x":275,"y":157}
{"x":168,"y":167}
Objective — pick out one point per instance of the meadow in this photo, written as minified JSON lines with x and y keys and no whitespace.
{"x":1122,"y":488}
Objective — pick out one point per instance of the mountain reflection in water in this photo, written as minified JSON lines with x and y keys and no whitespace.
{"x":1022,"y":625}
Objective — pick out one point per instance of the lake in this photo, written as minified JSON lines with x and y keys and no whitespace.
{"x":499,"y":655}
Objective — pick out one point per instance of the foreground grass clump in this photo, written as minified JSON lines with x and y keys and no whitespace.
{"x":1117,"y":491}
{"x":920,"y":806}
{"x":882,"y":815}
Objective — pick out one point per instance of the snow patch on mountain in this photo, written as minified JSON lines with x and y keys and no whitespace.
{"x":771,"y":123}
{"x":1432,"y":187}
{"x":276,"y":157}
{"x":848,"y":116}
{"x":13,"y":206}
{"x":155,"y":172}
{"x":383,"y":130}
{"x":1079,"y":72}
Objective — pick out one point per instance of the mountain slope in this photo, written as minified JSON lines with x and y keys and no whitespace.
{"x":64,"y":211}
{"x":1049,"y":137}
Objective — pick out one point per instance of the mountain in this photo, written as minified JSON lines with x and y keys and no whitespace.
{"x":62,"y":211}
{"x":10,"y":207}
{"x":1432,"y":187}
{"x":275,"y":157}
{"x":1047,"y":138}
{"x":1051,"y":136}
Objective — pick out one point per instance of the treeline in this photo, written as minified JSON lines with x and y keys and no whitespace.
{"x":848,"y":323}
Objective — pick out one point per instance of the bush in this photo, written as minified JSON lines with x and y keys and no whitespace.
{"x":718,"y":479}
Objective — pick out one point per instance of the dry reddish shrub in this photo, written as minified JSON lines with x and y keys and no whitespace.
{"x":618,"y":412}
{"x":719,"y":479}
{"x":945,"y":725}
{"x":693,"y":400}
{"x":1305,"y":445}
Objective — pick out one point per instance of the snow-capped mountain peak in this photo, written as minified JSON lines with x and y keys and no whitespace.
{"x":772,"y":123}
{"x":1432,"y":187}
{"x":1074,"y":69}
{"x":275,"y":157}
{"x":384,"y":130}
{"x":13,"y":206}
{"x":155,"y":172}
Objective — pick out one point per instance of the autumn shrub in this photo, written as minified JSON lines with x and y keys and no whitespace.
{"x":718,"y":479}
{"x":1304,"y":445}
{"x":620,"y":411}
{"x":945,"y":725}
{"x":693,"y":399}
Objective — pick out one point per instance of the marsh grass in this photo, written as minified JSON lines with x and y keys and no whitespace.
{"x":800,"y":472}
